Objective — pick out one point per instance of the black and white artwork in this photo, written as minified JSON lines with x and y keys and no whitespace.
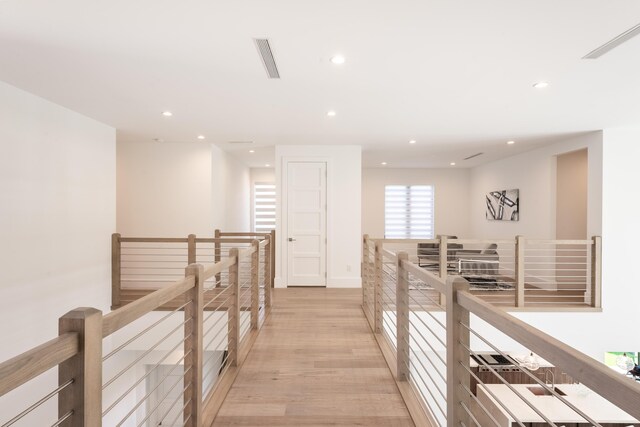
{"x":503,"y":205}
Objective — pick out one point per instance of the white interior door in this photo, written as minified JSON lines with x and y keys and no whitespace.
{"x":307,"y":223}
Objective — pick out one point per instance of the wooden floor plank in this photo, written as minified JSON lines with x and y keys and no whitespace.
{"x":315,"y":363}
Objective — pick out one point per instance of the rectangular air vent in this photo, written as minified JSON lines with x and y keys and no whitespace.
{"x":613,"y":43}
{"x":240,"y":142}
{"x":473,"y":155}
{"x":266,"y":54}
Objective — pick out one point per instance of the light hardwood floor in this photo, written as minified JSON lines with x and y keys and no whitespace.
{"x":315,"y":363}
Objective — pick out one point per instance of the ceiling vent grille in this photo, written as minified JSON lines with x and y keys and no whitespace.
{"x":240,"y":142}
{"x":613,"y":43}
{"x":473,"y":155}
{"x":266,"y":54}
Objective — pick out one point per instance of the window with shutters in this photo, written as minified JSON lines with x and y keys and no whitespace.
{"x":264,"y":207}
{"x":408,"y":212}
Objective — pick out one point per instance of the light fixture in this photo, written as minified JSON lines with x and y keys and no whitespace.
{"x":413,"y":141}
{"x":252,"y":151}
{"x":200,"y":136}
{"x":267,"y":165}
{"x":510,"y":142}
{"x":541,"y":85}
{"x":331,"y":113}
{"x":452,"y":163}
{"x":384,"y":163}
{"x":167,"y":113}
{"x":337,"y":59}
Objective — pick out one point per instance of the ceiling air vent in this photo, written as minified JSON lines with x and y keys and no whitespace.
{"x":613,"y":43}
{"x":266,"y":54}
{"x":240,"y":142}
{"x":473,"y":155}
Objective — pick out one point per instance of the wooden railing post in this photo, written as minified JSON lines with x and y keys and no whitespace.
{"x":444,"y":264}
{"x":273,"y":258}
{"x":115,"y":269}
{"x":364,"y":270}
{"x":377,"y":292}
{"x":267,"y":272}
{"x":234,"y":309}
{"x":255,"y":284}
{"x":217,"y":249}
{"x":191,"y":249}
{"x":458,"y":376}
{"x":402,"y":318}
{"x":84,"y":396}
{"x":596,"y":272}
{"x":193,"y":331}
{"x":520,"y":269}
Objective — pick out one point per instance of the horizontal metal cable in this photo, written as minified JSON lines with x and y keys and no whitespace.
{"x":155,"y":408}
{"x":175,"y":419}
{"x":135,"y":337}
{"x":492,"y":394}
{"x":223,"y":363}
{"x":62,"y":419}
{"x":132,"y":364}
{"x":131,"y":388}
{"x":37,"y":404}
{"x":442,"y":393}
{"x":430,"y":330}
{"x":174,"y":404}
{"x":473,"y":418}
{"x":427,"y":342}
{"x":505,"y":382}
{"x":535,"y":378}
{"x":430,"y":362}
{"x":480,"y":404}
{"x":444,"y":412}
{"x":215,"y":323}
{"x":208,"y":345}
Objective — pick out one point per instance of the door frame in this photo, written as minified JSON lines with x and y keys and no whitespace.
{"x":284,"y":213}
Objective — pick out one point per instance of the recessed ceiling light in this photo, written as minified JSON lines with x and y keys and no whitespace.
{"x":413,"y":141}
{"x":452,"y":163}
{"x":252,"y":151}
{"x":331,"y":113}
{"x":541,"y":85}
{"x":167,"y":113}
{"x":337,"y":59}
{"x":384,"y":163}
{"x":511,"y":142}
{"x":158,"y":139}
{"x":267,"y":165}
{"x":200,"y":136}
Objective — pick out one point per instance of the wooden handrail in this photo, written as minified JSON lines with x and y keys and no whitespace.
{"x":121,"y":317}
{"x":612,"y":386}
{"x":224,"y":240}
{"x":28,"y":365}
{"x":387,"y":253}
{"x":218,"y":268}
{"x":242,"y":233}
{"x":154,"y":240}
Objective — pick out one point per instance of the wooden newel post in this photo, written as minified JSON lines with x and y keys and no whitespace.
{"x":458,"y":376}
{"x":193,"y":347}
{"x":378,"y":283}
{"x":273,"y":257}
{"x":115,"y":269}
{"x":364,"y":271}
{"x":84,"y":396}
{"x":267,"y":272}
{"x":217,"y":249}
{"x":255,"y":284}
{"x":402,"y":318}
{"x":444,"y":264}
{"x":234,"y":309}
{"x":191,"y":249}
{"x":596,"y":272}
{"x":520,"y":245}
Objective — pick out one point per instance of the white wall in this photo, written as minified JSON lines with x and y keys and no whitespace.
{"x":344,"y":188}
{"x":175,"y":189}
{"x":533,"y":173}
{"x":57,"y":181}
{"x":231,"y":192}
{"x":451,"y":197}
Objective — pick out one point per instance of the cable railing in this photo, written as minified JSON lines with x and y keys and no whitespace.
{"x":166,"y":358}
{"x":140,"y":265}
{"x":520,"y":274}
{"x":452,"y":354}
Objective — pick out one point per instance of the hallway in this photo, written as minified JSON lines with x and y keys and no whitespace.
{"x":315,"y":362}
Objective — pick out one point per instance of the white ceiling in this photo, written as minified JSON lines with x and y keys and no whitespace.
{"x":454,"y":75}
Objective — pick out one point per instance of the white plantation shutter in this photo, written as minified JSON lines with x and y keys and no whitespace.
{"x":408,"y":212}
{"x":264,"y":207}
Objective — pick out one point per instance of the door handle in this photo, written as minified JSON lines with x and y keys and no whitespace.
{"x":291,"y":239}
